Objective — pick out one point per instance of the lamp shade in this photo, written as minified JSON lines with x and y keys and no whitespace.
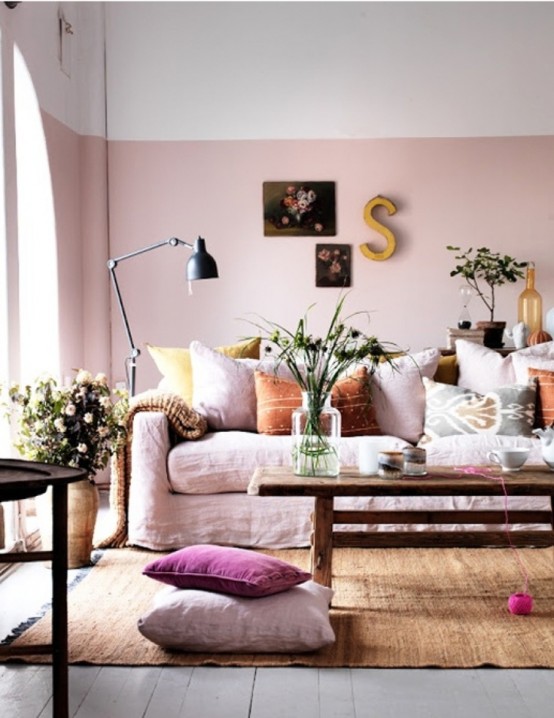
{"x":201,"y":265}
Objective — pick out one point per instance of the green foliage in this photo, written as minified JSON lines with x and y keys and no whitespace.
{"x":316,"y":363}
{"x":79,"y":425}
{"x":483,"y":267}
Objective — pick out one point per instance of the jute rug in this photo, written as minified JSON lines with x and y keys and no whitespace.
{"x":392,"y":608}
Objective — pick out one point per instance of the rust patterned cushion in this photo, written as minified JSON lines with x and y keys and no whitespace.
{"x":544,"y":415}
{"x":277,"y":398}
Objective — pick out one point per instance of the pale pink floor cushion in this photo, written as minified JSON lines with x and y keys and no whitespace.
{"x":293,"y":621}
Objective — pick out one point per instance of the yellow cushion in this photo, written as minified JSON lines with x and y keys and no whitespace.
{"x":175,"y":365}
{"x":277,"y":398}
{"x":447,"y":370}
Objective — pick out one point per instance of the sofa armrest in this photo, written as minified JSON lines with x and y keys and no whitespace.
{"x":149,"y":488}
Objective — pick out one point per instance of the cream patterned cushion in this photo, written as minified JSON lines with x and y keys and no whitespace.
{"x":451,"y":410}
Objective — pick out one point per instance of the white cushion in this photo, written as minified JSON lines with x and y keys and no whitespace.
{"x":224,"y":388}
{"x":524,"y":362}
{"x":482,"y":369}
{"x":201,"y":621}
{"x":399,"y":396}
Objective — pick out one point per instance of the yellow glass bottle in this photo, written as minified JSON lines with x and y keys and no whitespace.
{"x":529,"y":304}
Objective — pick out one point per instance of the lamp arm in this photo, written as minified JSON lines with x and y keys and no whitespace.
{"x":130,"y":362}
{"x":172,"y":241}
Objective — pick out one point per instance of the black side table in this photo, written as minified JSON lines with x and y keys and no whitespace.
{"x":23,"y":480}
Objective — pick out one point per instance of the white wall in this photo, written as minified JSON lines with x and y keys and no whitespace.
{"x":77,"y":99}
{"x":269,"y":70}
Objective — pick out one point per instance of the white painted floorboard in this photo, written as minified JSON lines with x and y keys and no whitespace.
{"x":209,"y":692}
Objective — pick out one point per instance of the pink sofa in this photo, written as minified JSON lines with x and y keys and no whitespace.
{"x":195,"y":491}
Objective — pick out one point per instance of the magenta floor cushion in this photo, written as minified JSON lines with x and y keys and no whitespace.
{"x":236,"y":571}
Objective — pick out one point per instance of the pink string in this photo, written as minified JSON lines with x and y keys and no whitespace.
{"x":486,"y":473}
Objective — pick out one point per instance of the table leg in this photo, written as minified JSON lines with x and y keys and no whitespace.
{"x":60,"y":676}
{"x":322,"y":541}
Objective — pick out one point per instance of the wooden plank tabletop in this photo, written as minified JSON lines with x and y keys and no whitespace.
{"x":439,"y":481}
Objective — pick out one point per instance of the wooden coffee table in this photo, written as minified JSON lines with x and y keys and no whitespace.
{"x":440,"y":481}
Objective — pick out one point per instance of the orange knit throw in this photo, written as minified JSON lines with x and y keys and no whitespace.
{"x":185,"y":424}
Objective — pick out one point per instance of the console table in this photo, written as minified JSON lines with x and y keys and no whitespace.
{"x":23,"y":480}
{"x":440,"y":481}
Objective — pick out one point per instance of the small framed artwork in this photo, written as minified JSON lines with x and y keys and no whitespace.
{"x":299,"y":209}
{"x":333,"y":265}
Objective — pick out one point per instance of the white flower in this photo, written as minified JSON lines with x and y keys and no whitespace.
{"x":70,"y":410}
{"x":89,"y":418}
{"x":105,"y":402}
{"x":82,"y":448}
{"x":101,"y":378}
{"x":59,"y":424}
{"x":83,"y":377}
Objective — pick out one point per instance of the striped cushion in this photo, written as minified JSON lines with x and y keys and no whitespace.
{"x":277,"y":398}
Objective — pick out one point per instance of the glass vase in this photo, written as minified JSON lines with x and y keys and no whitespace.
{"x":316,"y":427}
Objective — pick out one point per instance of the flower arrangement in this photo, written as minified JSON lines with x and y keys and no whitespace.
{"x":316,"y":363}
{"x":297,"y":204}
{"x":79,"y":425}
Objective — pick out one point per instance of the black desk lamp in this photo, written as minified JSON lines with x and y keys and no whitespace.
{"x":201,"y":265}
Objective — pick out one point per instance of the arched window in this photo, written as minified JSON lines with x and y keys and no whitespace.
{"x":38,"y":272}
{"x":29,"y":327}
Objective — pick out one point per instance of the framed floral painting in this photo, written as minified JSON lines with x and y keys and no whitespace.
{"x":333,"y":265}
{"x":301,"y":209}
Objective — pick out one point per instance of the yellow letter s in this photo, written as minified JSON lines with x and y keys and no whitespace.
{"x":372,"y":222}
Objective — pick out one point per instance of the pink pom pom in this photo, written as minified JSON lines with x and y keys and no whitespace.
{"x":520,"y":603}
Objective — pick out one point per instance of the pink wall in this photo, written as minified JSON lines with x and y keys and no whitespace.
{"x":471,"y":192}
{"x":79,"y":180}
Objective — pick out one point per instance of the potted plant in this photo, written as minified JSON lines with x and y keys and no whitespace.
{"x":81,"y":425}
{"x":484,"y":270}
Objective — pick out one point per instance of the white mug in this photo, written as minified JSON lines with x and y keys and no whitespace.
{"x":509,"y":459}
